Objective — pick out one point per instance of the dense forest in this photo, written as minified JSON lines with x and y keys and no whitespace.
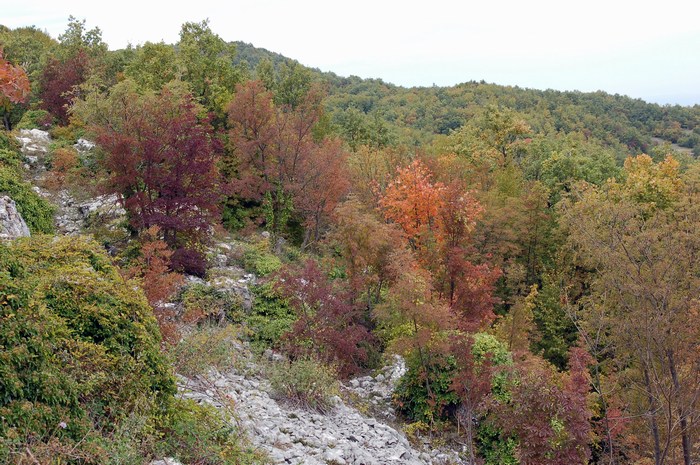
{"x":534,"y":255}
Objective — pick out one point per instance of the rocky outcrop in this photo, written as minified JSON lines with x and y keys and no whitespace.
{"x":73,"y":216}
{"x":226,"y":276}
{"x":84,"y":146}
{"x":165,"y":461}
{"x":291,"y":435}
{"x":35,"y":143}
{"x":12,"y":224}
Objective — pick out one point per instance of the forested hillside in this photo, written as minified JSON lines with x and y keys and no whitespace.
{"x":532,"y":255}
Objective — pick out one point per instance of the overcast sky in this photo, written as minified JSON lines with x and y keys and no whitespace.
{"x":644,"y":49}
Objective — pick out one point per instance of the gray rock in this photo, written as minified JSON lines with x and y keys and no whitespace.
{"x":12,"y":225}
{"x":334,"y":456}
{"x":34,"y":141}
{"x":165,"y":461}
{"x":84,"y":145}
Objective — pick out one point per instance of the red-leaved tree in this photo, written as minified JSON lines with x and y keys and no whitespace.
{"x":161,"y":159}
{"x":327,"y":324}
{"x":280,"y":164}
{"x":548,"y":412}
{"x":59,"y":81}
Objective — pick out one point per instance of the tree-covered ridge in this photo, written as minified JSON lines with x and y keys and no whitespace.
{"x":622,"y":122}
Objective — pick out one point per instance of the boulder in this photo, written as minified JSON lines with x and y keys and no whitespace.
{"x":34,"y":142}
{"x":12,"y":225}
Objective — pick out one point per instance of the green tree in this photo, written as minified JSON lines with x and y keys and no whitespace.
{"x":208,"y":66}
{"x":153,"y":65}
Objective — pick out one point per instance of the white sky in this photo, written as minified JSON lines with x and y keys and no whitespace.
{"x":644,"y":49}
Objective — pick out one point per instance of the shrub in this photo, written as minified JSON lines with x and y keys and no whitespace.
{"x":35,"y":119}
{"x":82,"y":379}
{"x":204,"y":302}
{"x":258,"y":259}
{"x":8,"y":142}
{"x":270,"y":317}
{"x":10,"y":159}
{"x":68,"y":134}
{"x":199,"y":434}
{"x":82,"y":344}
{"x":327,"y":325}
{"x":189,"y":261}
{"x":36,"y":211}
{"x":304,"y":382}
{"x":424,"y":392}
{"x":204,"y":348}
{"x":65,"y":168}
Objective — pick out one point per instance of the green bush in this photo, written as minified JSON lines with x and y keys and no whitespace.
{"x":79,"y":347}
{"x":36,"y":211}
{"x":200,"y":434}
{"x":213,"y":304}
{"x":35,"y":119}
{"x":258,"y":259}
{"x":82,"y":377}
{"x":8,"y":142}
{"x":412,"y":397}
{"x":437,"y":370}
{"x":270,"y":317}
{"x":10,"y":159}
{"x":493,"y":447}
{"x":304,"y":382}
{"x":204,"y":348}
{"x":486,"y":345}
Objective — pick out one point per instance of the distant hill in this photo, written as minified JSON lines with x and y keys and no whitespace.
{"x":416,"y":115}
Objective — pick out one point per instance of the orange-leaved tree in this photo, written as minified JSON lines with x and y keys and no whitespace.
{"x":14,"y":87}
{"x":438,"y":221}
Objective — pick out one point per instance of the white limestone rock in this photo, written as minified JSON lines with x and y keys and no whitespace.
{"x":12,"y":225}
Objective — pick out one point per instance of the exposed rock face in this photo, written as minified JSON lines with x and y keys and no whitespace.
{"x":292,"y":435}
{"x":35,"y":143}
{"x":12,"y":224}
{"x":72,"y":216}
{"x":227,"y":277}
{"x":84,"y":146}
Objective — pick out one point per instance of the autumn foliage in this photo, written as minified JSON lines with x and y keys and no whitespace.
{"x":161,"y":157}
{"x":14,"y":83}
{"x":327,"y":324}
{"x":548,"y":412}
{"x":14,"y":87}
{"x":437,"y":222}
{"x":478,"y":231}
{"x":279,"y":162}
{"x":59,"y":82}
{"x":153,"y":269}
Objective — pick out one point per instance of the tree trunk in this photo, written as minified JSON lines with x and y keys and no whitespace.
{"x":606,"y":421}
{"x":685,"y":437}
{"x":425,"y":368}
{"x":652,"y":419}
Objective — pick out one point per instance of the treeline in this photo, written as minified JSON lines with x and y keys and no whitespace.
{"x":531,"y":253}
